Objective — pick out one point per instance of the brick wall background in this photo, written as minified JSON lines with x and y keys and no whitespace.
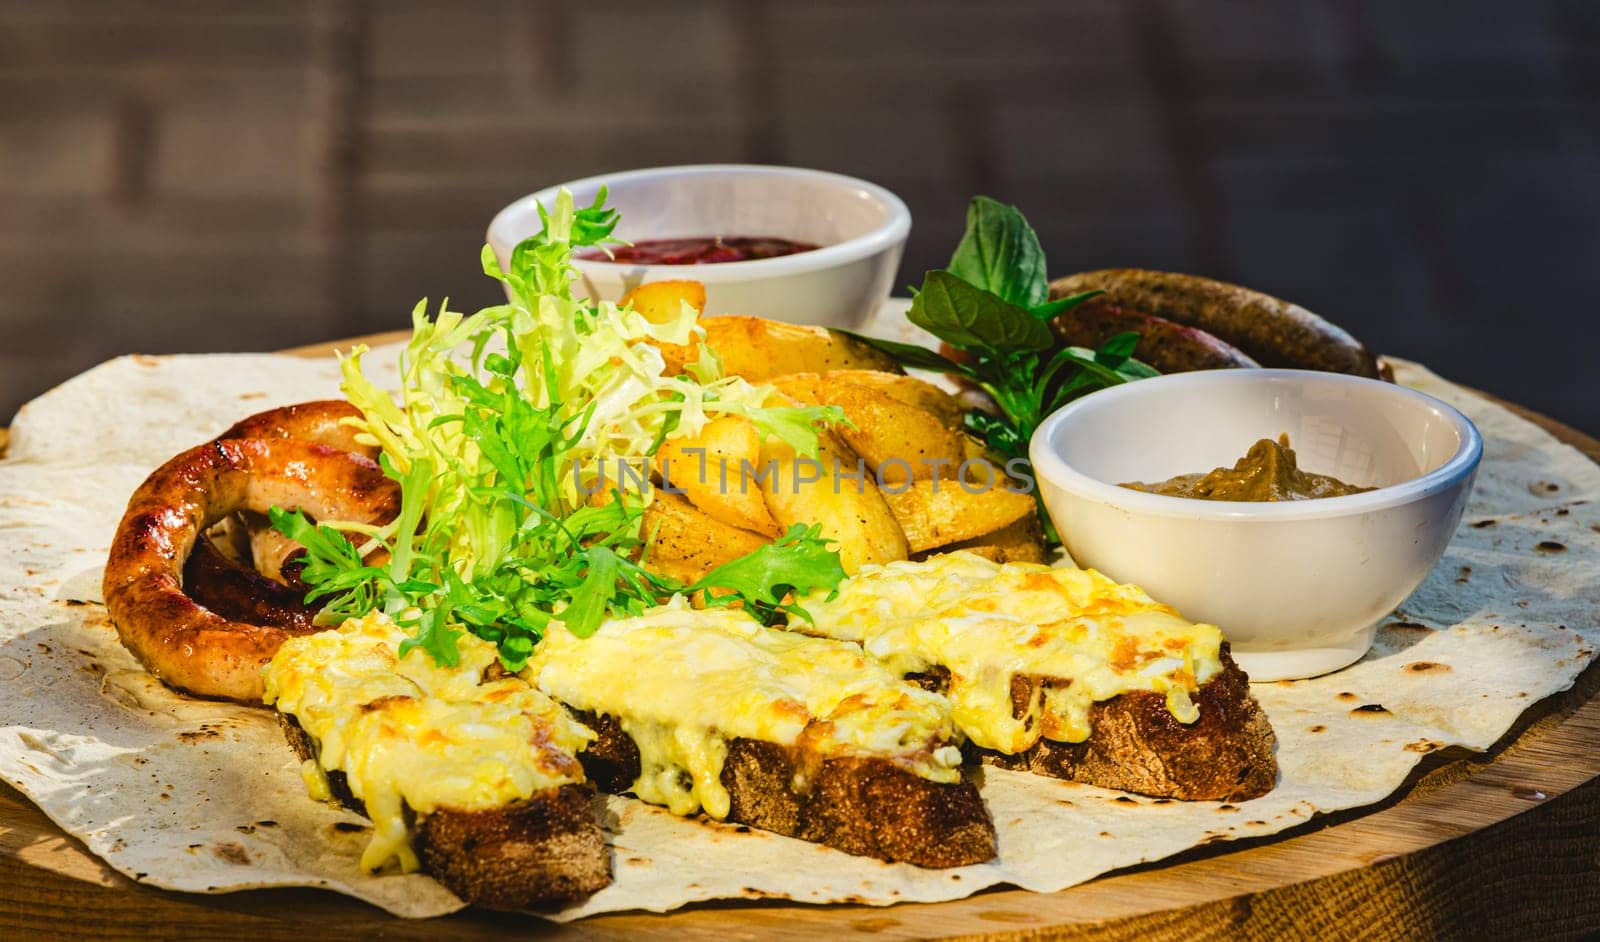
{"x":199,"y":175}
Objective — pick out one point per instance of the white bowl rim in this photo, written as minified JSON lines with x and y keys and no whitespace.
{"x":893,"y":230}
{"x":1048,"y":463}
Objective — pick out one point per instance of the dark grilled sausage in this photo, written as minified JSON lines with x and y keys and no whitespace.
{"x":1166,"y":345}
{"x":1271,"y":331}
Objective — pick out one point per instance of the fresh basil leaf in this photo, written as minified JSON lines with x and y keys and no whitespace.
{"x":1115,"y":351}
{"x":909,"y":354}
{"x":1000,"y":253}
{"x":1084,"y":358}
{"x":1137,"y":369}
{"x":1050,"y":309}
{"x":969,"y":317}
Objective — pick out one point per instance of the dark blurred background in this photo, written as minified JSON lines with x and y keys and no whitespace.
{"x":198,"y":176}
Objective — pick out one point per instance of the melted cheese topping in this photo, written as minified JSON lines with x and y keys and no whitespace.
{"x":987,"y":623}
{"x":409,"y":733}
{"x":683,"y":683}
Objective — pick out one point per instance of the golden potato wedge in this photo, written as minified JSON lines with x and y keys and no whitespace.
{"x":686,"y":543}
{"x":983,"y":466}
{"x":759,"y":349}
{"x":709,"y":469}
{"x":801,"y":387}
{"x":848,"y":505}
{"x":1020,"y":542}
{"x":907,"y":389}
{"x":899,"y":441}
{"x":661,"y":301}
{"x":934,"y":513}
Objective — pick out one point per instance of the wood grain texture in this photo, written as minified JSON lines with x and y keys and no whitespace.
{"x":1504,"y":844}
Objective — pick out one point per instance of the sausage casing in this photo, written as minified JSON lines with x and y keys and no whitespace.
{"x":180,"y":641}
{"x":1271,"y":331}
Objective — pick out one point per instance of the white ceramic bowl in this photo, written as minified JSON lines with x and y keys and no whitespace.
{"x":1297,"y":587}
{"x":860,"y":227}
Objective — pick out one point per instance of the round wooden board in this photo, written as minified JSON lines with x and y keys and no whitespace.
{"x":1504,"y":844}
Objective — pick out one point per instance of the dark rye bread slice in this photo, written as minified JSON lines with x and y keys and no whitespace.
{"x":528,"y":855}
{"x":1136,"y":745}
{"x":861,"y":806}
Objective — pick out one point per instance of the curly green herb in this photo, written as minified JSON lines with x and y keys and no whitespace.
{"x":502,"y":430}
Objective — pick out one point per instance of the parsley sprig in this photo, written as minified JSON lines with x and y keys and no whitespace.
{"x":765,"y":580}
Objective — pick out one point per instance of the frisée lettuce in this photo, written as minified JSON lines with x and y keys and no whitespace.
{"x":504,"y":437}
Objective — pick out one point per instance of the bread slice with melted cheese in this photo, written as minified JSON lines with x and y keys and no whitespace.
{"x":473,"y":780}
{"x":712,"y":711}
{"x":1062,"y":672}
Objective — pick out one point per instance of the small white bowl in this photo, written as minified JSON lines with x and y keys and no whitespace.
{"x":1297,"y":587}
{"x":860,"y":227}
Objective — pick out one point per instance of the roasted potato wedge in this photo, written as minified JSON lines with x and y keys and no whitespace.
{"x":973,"y":449}
{"x":899,"y":441}
{"x":759,"y":349}
{"x":907,"y":389}
{"x":660,"y":301}
{"x":935,"y":513}
{"x":709,"y":469}
{"x":851,"y":510}
{"x":686,"y":543}
{"x":982,"y":467}
{"x":1020,"y":542}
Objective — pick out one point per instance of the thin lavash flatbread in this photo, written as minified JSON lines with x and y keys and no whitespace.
{"x":206,"y":797}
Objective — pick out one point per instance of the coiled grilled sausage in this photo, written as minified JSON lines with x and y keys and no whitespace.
{"x":178,"y":640}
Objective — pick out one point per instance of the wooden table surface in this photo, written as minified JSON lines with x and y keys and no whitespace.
{"x":1504,"y":844}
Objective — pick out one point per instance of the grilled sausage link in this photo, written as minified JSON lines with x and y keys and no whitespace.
{"x":178,"y":640}
{"x":1168,"y":346}
{"x":1271,"y":331}
{"x":318,"y":421}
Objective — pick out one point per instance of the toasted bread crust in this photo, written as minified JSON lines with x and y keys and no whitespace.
{"x":544,"y":850}
{"x":867,"y":807}
{"x":530,"y":854}
{"x":1135,"y":744}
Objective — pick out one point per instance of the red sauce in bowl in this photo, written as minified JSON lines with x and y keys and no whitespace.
{"x":698,"y":251}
